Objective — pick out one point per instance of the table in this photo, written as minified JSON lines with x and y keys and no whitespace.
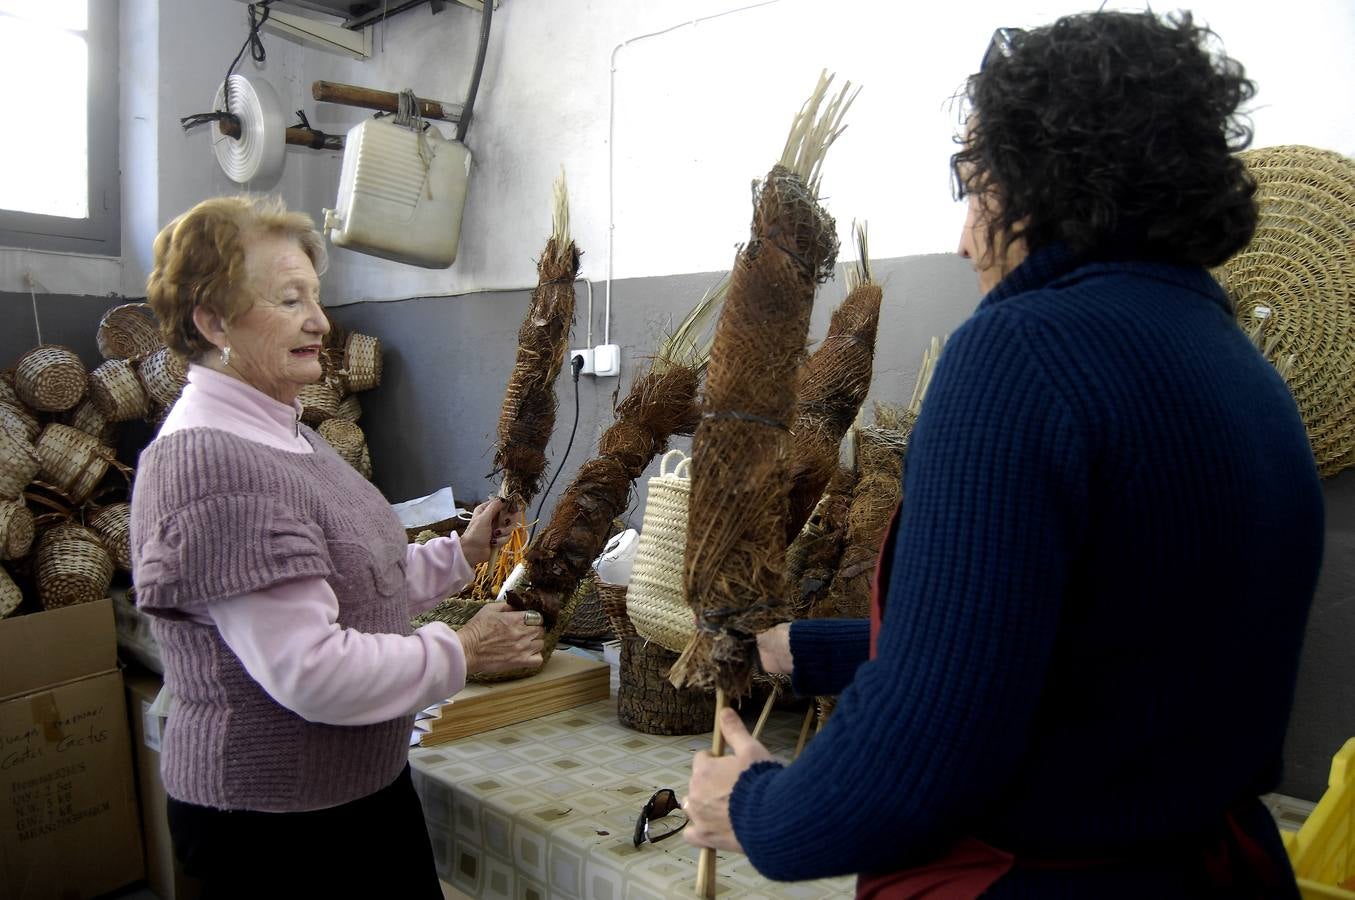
{"x":546,"y":808}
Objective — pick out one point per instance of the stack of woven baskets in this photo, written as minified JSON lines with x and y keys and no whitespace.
{"x":352,"y":363}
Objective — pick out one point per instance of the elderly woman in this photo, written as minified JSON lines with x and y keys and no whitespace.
{"x":1089,"y":610}
{"x":281,"y":587}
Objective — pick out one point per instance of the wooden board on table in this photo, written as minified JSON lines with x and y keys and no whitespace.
{"x":566,"y":681}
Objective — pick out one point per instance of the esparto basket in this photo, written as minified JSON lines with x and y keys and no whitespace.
{"x":10,"y":595}
{"x":16,"y":529}
{"x":50,"y":378}
{"x":654,"y":601}
{"x":350,"y":408}
{"x":589,"y":622}
{"x":19,"y":420}
{"x":129,"y":331}
{"x":164,"y":374}
{"x":19,"y":464}
{"x":73,"y":567}
{"x":346,"y":438}
{"x":87,"y":418}
{"x":319,"y":402}
{"x":7,"y":395}
{"x":117,"y":392}
{"x":362,"y":362}
{"x":113,"y":525}
{"x":72,"y":461}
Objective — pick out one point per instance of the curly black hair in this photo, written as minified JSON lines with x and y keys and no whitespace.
{"x":1114,"y":133}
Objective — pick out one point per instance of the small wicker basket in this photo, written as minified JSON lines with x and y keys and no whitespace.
{"x":362,"y":362}
{"x":319,"y":402}
{"x":19,"y":464}
{"x":164,"y":374}
{"x":346,"y":438}
{"x":117,"y":392}
{"x":350,"y":408}
{"x":50,"y":378}
{"x":87,"y":418}
{"x":654,"y":601}
{"x":113,"y":525}
{"x":19,"y":420}
{"x":128,"y":331}
{"x":73,"y":567}
{"x":10,"y":595}
{"x":16,"y":529}
{"x":72,"y":461}
{"x":589,"y":622}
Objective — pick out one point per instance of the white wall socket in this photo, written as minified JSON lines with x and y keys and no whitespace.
{"x":604,"y":360}
{"x":587,"y":355}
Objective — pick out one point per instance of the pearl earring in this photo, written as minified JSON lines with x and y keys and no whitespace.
{"x":226,"y":355}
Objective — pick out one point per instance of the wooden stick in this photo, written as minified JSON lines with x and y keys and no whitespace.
{"x":766,"y":711}
{"x":804,"y":731}
{"x":386,"y":101}
{"x":705,"y":866}
{"x":298,"y":137}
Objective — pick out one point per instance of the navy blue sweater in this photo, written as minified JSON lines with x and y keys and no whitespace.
{"x":1097,"y":590}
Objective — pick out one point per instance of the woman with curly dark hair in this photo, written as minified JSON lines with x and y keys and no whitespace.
{"x":1081,"y":658}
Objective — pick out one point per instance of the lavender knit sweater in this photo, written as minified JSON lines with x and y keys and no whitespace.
{"x":215,"y":516}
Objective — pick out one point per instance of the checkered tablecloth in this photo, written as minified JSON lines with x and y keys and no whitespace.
{"x":545,"y":809}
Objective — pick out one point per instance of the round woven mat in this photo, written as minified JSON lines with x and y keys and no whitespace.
{"x":1299,"y":271}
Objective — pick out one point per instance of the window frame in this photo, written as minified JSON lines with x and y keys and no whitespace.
{"x":100,"y":234}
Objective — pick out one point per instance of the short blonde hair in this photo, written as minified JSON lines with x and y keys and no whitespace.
{"x":199,"y":260}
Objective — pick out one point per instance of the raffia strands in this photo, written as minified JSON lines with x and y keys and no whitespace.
{"x":528,"y":416}
{"x":833,"y":385}
{"x":816,"y":552}
{"x":878,"y":491}
{"x":736,"y":532}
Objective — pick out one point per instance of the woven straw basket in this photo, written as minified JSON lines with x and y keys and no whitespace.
{"x":113,"y":525}
{"x":7,"y":395}
{"x":10,"y":596}
{"x":362,"y":362}
{"x":19,"y":421}
{"x":71,"y":460}
{"x":87,"y":418}
{"x":654,"y":601}
{"x":117,"y":392}
{"x":164,"y":375}
{"x":589,"y":621}
{"x":19,"y":464}
{"x":128,"y":331}
{"x":50,"y":378}
{"x":346,"y":438}
{"x":1298,"y":275}
{"x":350,"y":408}
{"x":319,"y":402}
{"x":16,"y":529}
{"x":73,"y":567}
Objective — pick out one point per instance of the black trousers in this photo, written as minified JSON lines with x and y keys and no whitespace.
{"x":375,"y":846}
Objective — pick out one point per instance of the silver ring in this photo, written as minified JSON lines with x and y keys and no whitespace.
{"x":532,"y":617}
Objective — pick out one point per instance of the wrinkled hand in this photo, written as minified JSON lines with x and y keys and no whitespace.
{"x":773,"y":650}
{"x":497,"y":639}
{"x":712,"y":782}
{"x":484,"y":532}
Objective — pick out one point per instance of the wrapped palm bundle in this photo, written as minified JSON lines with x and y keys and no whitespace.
{"x":661,"y":403}
{"x":833,"y":385}
{"x":814,"y":555}
{"x":528,"y":415}
{"x":736,"y":531}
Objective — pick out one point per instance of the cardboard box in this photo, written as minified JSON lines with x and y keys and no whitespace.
{"x":163,"y":873}
{"x":68,"y":815}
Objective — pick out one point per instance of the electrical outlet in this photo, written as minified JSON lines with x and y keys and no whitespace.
{"x":587,"y":356}
{"x":606,"y":360}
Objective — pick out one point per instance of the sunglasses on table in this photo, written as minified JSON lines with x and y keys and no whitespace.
{"x":662,"y":804}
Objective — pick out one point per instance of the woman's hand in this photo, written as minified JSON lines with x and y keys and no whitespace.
{"x":713,"y":779}
{"x":773,"y":650}
{"x":498,"y":639}
{"x":485,"y":531}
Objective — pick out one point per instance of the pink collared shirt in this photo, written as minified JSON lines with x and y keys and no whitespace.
{"x":288,"y":636}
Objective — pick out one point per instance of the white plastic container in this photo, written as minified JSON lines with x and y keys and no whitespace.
{"x":389,"y":205}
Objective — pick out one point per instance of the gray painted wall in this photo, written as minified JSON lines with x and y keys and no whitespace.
{"x":447,"y":360}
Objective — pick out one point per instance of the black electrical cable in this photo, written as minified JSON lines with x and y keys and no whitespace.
{"x":254,"y":44}
{"x":575,"y":366}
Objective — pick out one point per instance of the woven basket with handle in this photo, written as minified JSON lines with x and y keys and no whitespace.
{"x":20,"y":421}
{"x":113,"y":525}
{"x":350,"y":408}
{"x":19,"y":464}
{"x":16,"y":529}
{"x":346,"y":438}
{"x":654,"y":600}
{"x":362,"y":362}
{"x":50,"y":378}
{"x":73,"y":567}
{"x":128,"y":331}
{"x":319,"y":402}
{"x":117,"y":392}
{"x":87,"y":418}
{"x":72,"y":461}
{"x":164,"y":375}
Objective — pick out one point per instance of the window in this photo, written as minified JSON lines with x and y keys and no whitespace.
{"x":59,"y":186}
